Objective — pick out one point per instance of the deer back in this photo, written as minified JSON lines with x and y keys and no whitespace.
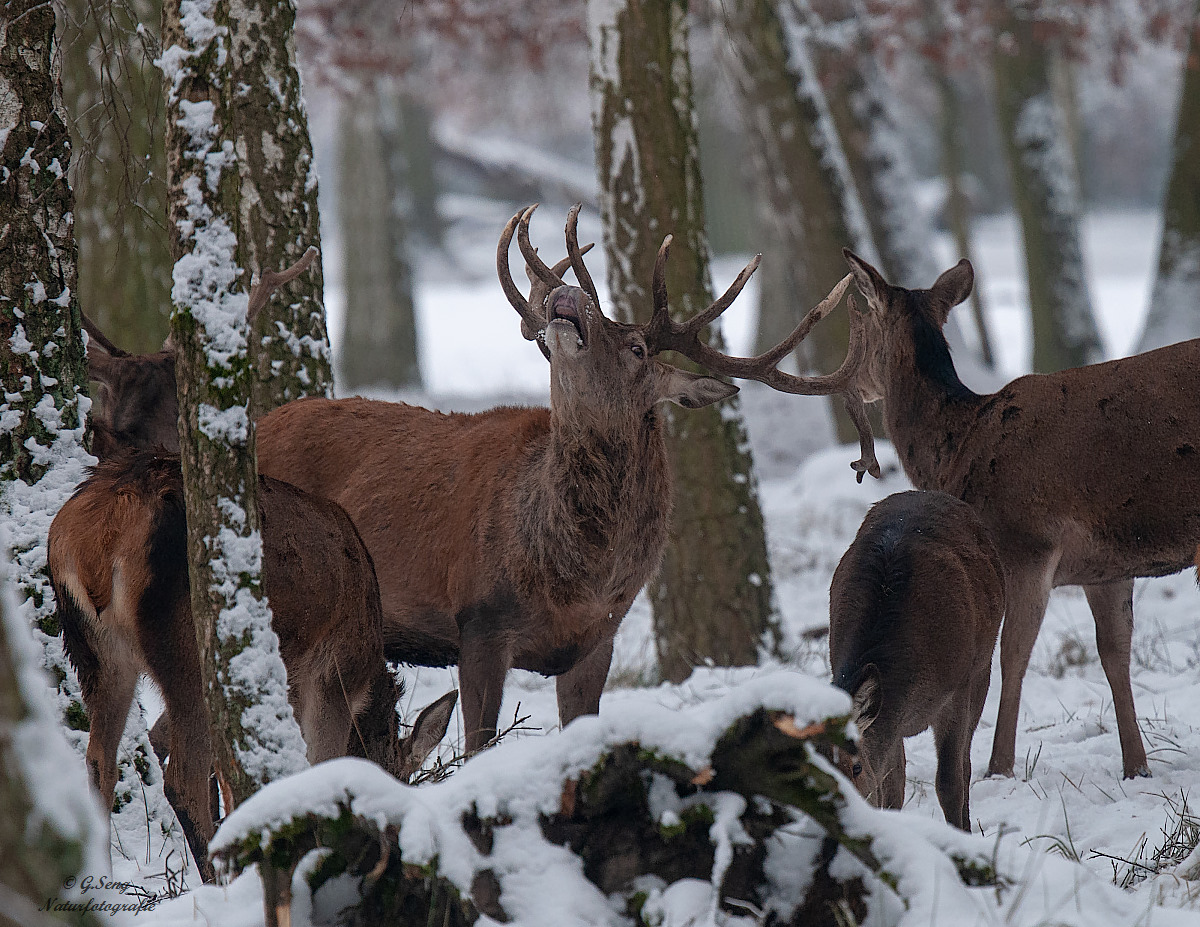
{"x":1100,"y":460}
{"x":916,"y":600}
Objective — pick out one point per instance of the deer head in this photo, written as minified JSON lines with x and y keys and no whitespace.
{"x":900,"y":320}
{"x":599,"y":369}
{"x":588,"y":351}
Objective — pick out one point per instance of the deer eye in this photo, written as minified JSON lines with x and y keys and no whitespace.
{"x":856,"y":769}
{"x":638,"y":351}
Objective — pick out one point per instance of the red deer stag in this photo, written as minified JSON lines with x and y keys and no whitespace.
{"x":914,"y":610}
{"x":518,"y":537}
{"x":118,"y":561}
{"x":1084,"y":477}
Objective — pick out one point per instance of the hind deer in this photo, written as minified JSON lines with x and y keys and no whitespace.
{"x":914,"y":610}
{"x":1084,"y":477}
{"x":118,"y":563}
{"x":519,"y":537}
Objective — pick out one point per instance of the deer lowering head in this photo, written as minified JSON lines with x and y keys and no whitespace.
{"x":1087,"y":476}
{"x":914,"y":609}
{"x":520,"y":537}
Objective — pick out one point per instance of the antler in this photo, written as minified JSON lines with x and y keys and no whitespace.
{"x":576,"y":256}
{"x":542,"y":278}
{"x":269,"y":281}
{"x":664,"y":334}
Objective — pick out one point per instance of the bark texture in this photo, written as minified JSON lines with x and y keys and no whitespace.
{"x":255,"y":737}
{"x":42,"y":371}
{"x":1175,"y":300}
{"x":276,"y":218}
{"x":801,"y":170}
{"x":379,"y":343}
{"x":712,"y":599}
{"x":114,"y":99}
{"x":1046,"y":194}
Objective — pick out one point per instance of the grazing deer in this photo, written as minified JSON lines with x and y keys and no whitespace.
{"x":118,"y":562}
{"x":519,"y":537}
{"x":1084,"y":477}
{"x":914,"y":610}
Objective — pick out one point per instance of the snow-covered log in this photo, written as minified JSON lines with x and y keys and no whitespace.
{"x":722,"y":811}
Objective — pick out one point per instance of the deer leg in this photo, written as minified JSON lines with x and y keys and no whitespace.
{"x":326,"y":716}
{"x":484,"y":659}
{"x":893,"y":778}
{"x":107,"y":694}
{"x":1112,"y":609}
{"x":952,"y":738}
{"x":579,"y":688}
{"x":1028,"y":592}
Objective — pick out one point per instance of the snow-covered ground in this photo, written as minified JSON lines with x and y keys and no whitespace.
{"x":1068,"y":796}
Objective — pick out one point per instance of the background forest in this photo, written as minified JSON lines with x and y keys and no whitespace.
{"x":1054,"y":145}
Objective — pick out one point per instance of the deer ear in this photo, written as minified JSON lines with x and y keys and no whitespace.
{"x":692,"y":390}
{"x":867,"y":699}
{"x":870,"y":281}
{"x":953,"y":286}
{"x":429,"y":729}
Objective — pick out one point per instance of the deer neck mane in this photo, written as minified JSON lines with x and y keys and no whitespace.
{"x":594,"y":507}
{"x":929,"y":410}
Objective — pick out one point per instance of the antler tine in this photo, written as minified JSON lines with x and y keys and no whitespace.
{"x":684,"y":339}
{"x":269,"y":281}
{"x":657,"y":330}
{"x":576,"y":256}
{"x":867,"y":462}
{"x":531,"y":323}
{"x":544,"y":273}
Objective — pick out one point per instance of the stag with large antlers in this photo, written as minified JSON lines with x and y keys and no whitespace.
{"x":519,"y":537}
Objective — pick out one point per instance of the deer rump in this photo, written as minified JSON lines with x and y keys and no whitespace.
{"x":448,"y":506}
{"x":118,"y":563}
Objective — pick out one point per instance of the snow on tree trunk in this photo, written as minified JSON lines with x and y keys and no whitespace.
{"x":713,"y":596}
{"x":256,"y":738}
{"x":1046,"y":193}
{"x":800,"y":167}
{"x":44,"y":377}
{"x":113,"y":97}
{"x":50,"y":824}
{"x":276,"y":217}
{"x":42,"y":364}
{"x":1175,"y":301}
{"x":379,"y":344}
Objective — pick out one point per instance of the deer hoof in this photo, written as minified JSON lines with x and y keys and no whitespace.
{"x":1141,"y":772}
{"x":1001,"y":773}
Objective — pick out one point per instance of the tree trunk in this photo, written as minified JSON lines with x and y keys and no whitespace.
{"x":43,"y":370}
{"x":1175,"y":301}
{"x":48,"y":823}
{"x":1046,"y":193}
{"x":276,"y":218}
{"x":802,"y":172}
{"x":256,"y":739}
{"x":113,"y":97}
{"x":379,"y":341}
{"x":712,"y":599}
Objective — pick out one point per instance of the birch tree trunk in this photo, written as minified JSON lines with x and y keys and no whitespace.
{"x":276,"y":217}
{"x":1175,"y":300}
{"x":1046,"y":194}
{"x":802,"y":172}
{"x":712,"y":599}
{"x":43,"y":370}
{"x":256,"y":739}
{"x":379,"y":343}
{"x":114,"y":101}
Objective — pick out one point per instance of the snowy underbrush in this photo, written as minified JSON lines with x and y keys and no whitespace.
{"x":717,"y":810}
